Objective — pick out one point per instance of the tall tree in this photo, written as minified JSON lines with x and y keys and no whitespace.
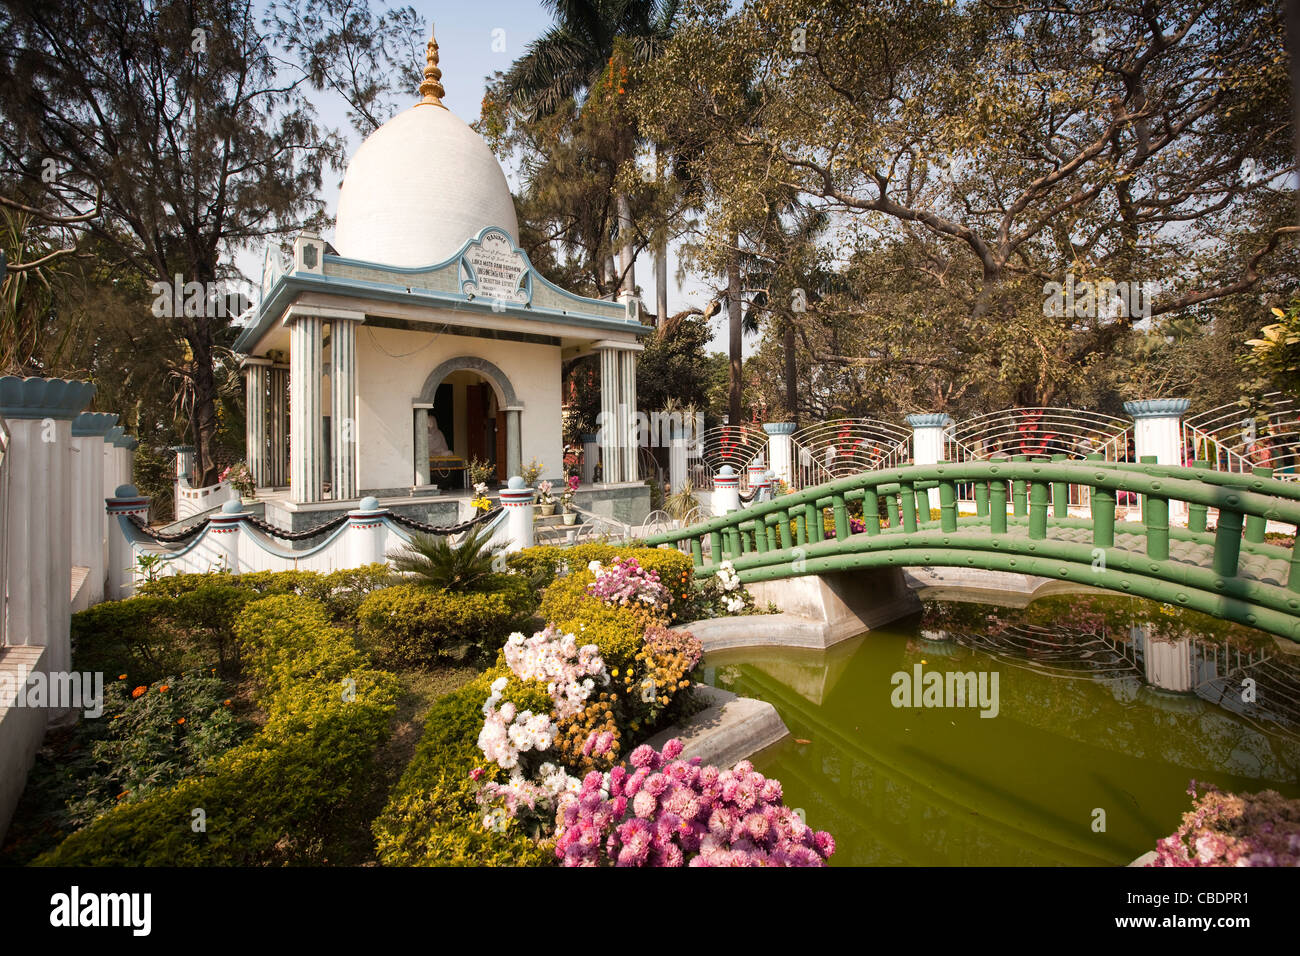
{"x":993,"y":148}
{"x":594,"y":42}
{"x":175,"y":114}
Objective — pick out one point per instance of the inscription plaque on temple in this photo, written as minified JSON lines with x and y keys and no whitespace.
{"x":494,"y":270}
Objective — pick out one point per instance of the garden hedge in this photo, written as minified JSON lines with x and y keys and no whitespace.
{"x":432,"y":818}
{"x":266,"y":800}
{"x":414,"y":624}
{"x":186,"y":621}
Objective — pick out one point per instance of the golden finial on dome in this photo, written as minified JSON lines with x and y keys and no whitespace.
{"x":431,"y":88}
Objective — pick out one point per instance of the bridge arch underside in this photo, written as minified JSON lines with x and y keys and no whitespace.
{"x":1067,"y":554}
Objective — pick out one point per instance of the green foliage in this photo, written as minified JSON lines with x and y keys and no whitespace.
{"x":185,"y":622}
{"x":414,"y":625}
{"x":268,"y":799}
{"x":437,"y":563}
{"x":432,"y":818}
{"x":151,"y":737}
{"x":1275,"y":357}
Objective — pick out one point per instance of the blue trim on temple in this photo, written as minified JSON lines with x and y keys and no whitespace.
{"x":290,"y":284}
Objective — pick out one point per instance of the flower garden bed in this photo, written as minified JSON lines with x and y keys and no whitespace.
{"x":250,"y":714}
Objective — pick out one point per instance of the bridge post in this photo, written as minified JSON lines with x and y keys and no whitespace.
{"x":1019,"y":493}
{"x":1255,"y":524}
{"x":871,"y":510}
{"x":1157,"y":525}
{"x":1197,"y":514}
{"x":1227,"y":543}
{"x":780,"y":450}
{"x":841,"y":517}
{"x":981,"y":499}
{"x":947,"y":506}
{"x":927,"y":445}
{"x":1103,"y":517}
{"x":1060,"y":494}
{"x":998,"y":506}
{"x":1038,"y":511}
{"x":908,"y":495}
{"x":1158,"y":431}
{"x":1142,"y":499}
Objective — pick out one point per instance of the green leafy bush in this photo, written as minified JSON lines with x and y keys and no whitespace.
{"x":185,"y":622}
{"x":268,"y":799}
{"x":433,"y":818}
{"x":412,"y":624}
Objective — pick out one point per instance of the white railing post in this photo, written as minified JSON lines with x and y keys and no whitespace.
{"x":368,"y":533}
{"x":125,"y":501}
{"x":517,"y":499}
{"x":726,"y":490}
{"x":1158,"y":431}
{"x":780,"y":450}
{"x":222,"y":536}
{"x":928,"y":433}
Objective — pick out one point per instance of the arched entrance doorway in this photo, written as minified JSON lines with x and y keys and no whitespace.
{"x":467,"y":411}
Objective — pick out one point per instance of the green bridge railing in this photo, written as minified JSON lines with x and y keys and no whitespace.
{"x":786,"y":537}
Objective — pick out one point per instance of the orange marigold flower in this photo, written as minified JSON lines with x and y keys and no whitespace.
{"x":163,"y":688}
{"x":227,"y":702}
{"x":123,"y":794}
{"x":139,"y":691}
{"x":180,"y":720}
{"x":121,"y":677}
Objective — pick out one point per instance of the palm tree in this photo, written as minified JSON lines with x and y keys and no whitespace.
{"x":439,"y":564}
{"x":569,"y":59}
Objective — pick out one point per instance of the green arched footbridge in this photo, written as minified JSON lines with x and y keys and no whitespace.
{"x":1228,"y":571}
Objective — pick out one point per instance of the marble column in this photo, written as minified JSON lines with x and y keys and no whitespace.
{"x":590,"y":456}
{"x":305,"y":409}
{"x":343,"y":401}
{"x":627,"y":411}
{"x":421,"y":463}
{"x":255,"y":408}
{"x":611,"y":458}
{"x":277,"y":425}
{"x":38,"y":510}
{"x":514,"y":441}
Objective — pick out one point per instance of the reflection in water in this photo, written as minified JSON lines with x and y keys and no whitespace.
{"x":1107,"y":703}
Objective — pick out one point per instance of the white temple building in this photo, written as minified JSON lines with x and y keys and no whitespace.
{"x":423,"y":338}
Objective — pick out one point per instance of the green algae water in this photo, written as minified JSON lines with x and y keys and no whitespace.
{"x":1106,"y":708}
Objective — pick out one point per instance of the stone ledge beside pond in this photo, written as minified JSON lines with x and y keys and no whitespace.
{"x":729,"y":730}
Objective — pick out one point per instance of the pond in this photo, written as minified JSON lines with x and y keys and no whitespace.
{"x":1070,"y":737}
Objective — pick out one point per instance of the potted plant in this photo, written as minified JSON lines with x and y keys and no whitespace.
{"x":566,"y":498}
{"x":241,"y":479}
{"x":480,"y":501}
{"x":531,"y":473}
{"x":545,"y":500}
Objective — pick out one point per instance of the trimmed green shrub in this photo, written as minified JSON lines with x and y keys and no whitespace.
{"x":433,"y":818}
{"x":268,"y":799}
{"x":413,"y":624}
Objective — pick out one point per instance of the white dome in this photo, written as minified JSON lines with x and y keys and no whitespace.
{"x":419,"y":187}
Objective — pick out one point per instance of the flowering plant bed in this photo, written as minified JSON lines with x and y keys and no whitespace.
{"x":1229,"y":829}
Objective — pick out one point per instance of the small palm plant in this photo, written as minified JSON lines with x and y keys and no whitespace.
{"x":437,"y":563}
{"x":682,"y":502}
